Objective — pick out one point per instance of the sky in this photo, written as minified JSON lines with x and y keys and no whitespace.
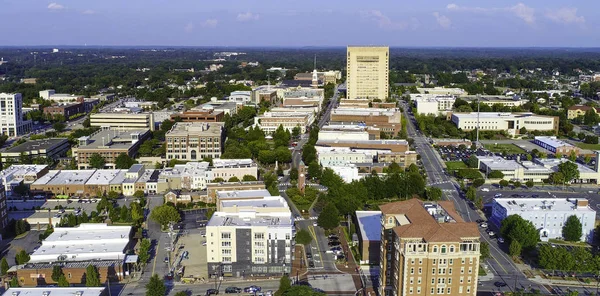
{"x":403,"y":23}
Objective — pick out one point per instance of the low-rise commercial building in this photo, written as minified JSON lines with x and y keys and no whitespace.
{"x":51,"y":95}
{"x":387,"y":120}
{"x":248,"y":194}
{"x":109,"y":143}
{"x":230,"y":168}
{"x":227,"y":107}
{"x":263,"y":94}
{"x":369,"y":236}
{"x":509,"y":122}
{"x":195,"y":140}
{"x":579,"y":110}
{"x":555,"y":145}
{"x":340,"y":156}
{"x":547,"y":215}
{"x":66,"y":110}
{"x":536,"y":170}
{"x":427,"y":248}
{"x":213,"y":189}
{"x":391,"y":145}
{"x":11,"y":118}
{"x":270,"y":121}
{"x":203,"y":115}
{"x":53,"y":149}
{"x":124,"y":121}
{"x":250,"y":238}
{"x":357,"y":134}
{"x":23,"y":174}
{"x":241,"y":97}
{"x":74,"y":248}
{"x":373,"y":132}
{"x":434,"y":105}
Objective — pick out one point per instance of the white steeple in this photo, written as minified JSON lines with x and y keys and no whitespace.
{"x":315,"y":77}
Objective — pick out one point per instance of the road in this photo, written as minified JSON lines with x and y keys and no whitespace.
{"x":502,"y":266}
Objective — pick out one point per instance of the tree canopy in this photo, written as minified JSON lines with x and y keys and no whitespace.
{"x":329,"y":218}
{"x":569,"y":170}
{"x":96,"y":161}
{"x":156,"y":286}
{"x":515,"y":228}
{"x":92,"y":277}
{"x":572,"y":230}
{"x":165,"y":214}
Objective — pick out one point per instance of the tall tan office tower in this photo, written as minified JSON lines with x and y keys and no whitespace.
{"x":367,"y":70}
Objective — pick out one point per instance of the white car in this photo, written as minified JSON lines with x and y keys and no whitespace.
{"x":484,"y":225}
{"x":485,"y":189}
{"x":500,"y":240}
{"x":498,"y":195}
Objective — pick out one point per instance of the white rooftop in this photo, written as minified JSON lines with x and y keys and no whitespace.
{"x":55,"y":291}
{"x":498,"y":163}
{"x":88,"y":241}
{"x":19,"y":170}
{"x":364,"y":111}
{"x":58,"y":177}
{"x":259,"y":193}
{"x":506,"y":115}
{"x":369,"y":223}
{"x":105,"y":177}
{"x":265,"y":202}
{"x":250,"y":219}
{"x":539,"y":204}
{"x":554,"y":162}
{"x":553,"y":141}
{"x":232,"y":162}
{"x":191,"y":168}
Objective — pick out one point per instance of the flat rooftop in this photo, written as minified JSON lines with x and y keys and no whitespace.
{"x":539,"y":204}
{"x":241,"y":194}
{"x":251,"y":219}
{"x":54,"y":291}
{"x":196,"y":128}
{"x":191,"y":168}
{"x":365,"y":142}
{"x":497,"y":115}
{"x":36,"y":145}
{"x":553,"y":141}
{"x":58,"y":177}
{"x":106,"y":177}
{"x":267,"y":201}
{"x":88,"y":231}
{"x":553,"y":164}
{"x":364,"y":111}
{"x":113,"y":139}
{"x":22,"y":170}
{"x":224,"y":163}
{"x":369,"y":223}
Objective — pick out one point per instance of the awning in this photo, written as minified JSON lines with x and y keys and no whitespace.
{"x":131,"y":259}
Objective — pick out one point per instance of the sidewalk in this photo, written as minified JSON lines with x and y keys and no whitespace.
{"x":575,"y":283}
{"x":299,"y":268}
{"x":350,"y":267}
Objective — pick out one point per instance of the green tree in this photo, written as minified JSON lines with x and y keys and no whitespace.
{"x":529,"y":184}
{"x":113,"y":195}
{"x":156,"y":286}
{"x":22,"y":257}
{"x":59,"y":126}
{"x":516,"y":228}
{"x":303,"y":237}
{"x":294,"y":174}
{"x":473,"y":162}
{"x":478,"y":182}
{"x":296,"y":132}
{"x":86,"y":122}
{"x":4,"y":266}
{"x":503,"y":183}
{"x":433,"y":193}
{"x":471,"y":193}
{"x":314,"y":170}
{"x":495,"y":175}
{"x":569,"y":170}
{"x":248,"y":178}
{"x":56,"y":272}
{"x":587,"y":159}
{"x":233,"y":179}
{"x":123,"y":161}
{"x":137,"y":213}
{"x":518,"y":184}
{"x":182,"y":293}
{"x":484,"y":250}
{"x":284,"y":285}
{"x":144,"y":251}
{"x":329,"y":218}
{"x":514,"y":248}
{"x":14,"y":282}
{"x":573,"y":156}
{"x":165,"y":214}
{"x":92,"y":277}
{"x":62,"y":281}
{"x":96,"y":161}
{"x":218,"y":180}
{"x":139,"y":194}
{"x":557,"y":178}
{"x":572,"y":230}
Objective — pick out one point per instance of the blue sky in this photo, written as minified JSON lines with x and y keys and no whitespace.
{"x":489,"y":23}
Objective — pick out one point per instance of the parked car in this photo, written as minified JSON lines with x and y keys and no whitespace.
{"x":311,"y":264}
{"x":484,"y":225}
{"x":308,"y":255}
{"x":252,"y":289}
{"x":212,"y":292}
{"x":500,"y":240}
{"x":498,"y":195}
{"x":333,"y":244}
{"x":230,"y":290}
{"x":485,"y":189}
{"x":500,"y":284}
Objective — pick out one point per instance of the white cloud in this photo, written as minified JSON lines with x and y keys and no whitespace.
{"x":88,"y":11}
{"x":210,"y":23}
{"x":566,"y":15}
{"x":382,"y":20}
{"x":189,"y":27}
{"x":520,"y":10}
{"x":247,"y":17}
{"x":524,"y":12}
{"x":442,"y":20}
{"x":55,"y":6}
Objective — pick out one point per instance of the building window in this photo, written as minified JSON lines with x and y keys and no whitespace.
{"x":412,"y":270}
{"x":443,"y":249}
{"x":448,"y":290}
{"x":225,"y":235}
{"x":433,"y":271}
{"x":420,"y":270}
{"x":435,"y":249}
{"x":450,"y":270}
{"x":432,"y":281}
{"x":69,"y":275}
{"x":451,"y":261}
{"x":451,"y":249}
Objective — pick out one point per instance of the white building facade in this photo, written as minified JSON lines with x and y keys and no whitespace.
{"x":510,"y":122}
{"x":11,"y":115}
{"x":547,"y":215}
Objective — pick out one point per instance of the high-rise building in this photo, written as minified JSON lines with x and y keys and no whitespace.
{"x":11,"y":115}
{"x":427,"y":249}
{"x":367,"y":69}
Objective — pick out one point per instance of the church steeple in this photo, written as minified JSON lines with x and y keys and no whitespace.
{"x":315,"y":76}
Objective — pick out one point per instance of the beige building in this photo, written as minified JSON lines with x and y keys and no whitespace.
{"x":367,"y":71}
{"x":195,"y":140}
{"x":109,"y":144}
{"x":270,"y":121}
{"x":126,"y":121}
{"x":427,"y":249}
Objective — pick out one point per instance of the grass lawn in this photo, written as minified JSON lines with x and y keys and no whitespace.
{"x":567,"y":243}
{"x":588,"y":146}
{"x":455,"y":165}
{"x":501,"y":148}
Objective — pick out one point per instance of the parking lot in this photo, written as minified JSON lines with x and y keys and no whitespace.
{"x":193,"y":219}
{"x":192,"y":242}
